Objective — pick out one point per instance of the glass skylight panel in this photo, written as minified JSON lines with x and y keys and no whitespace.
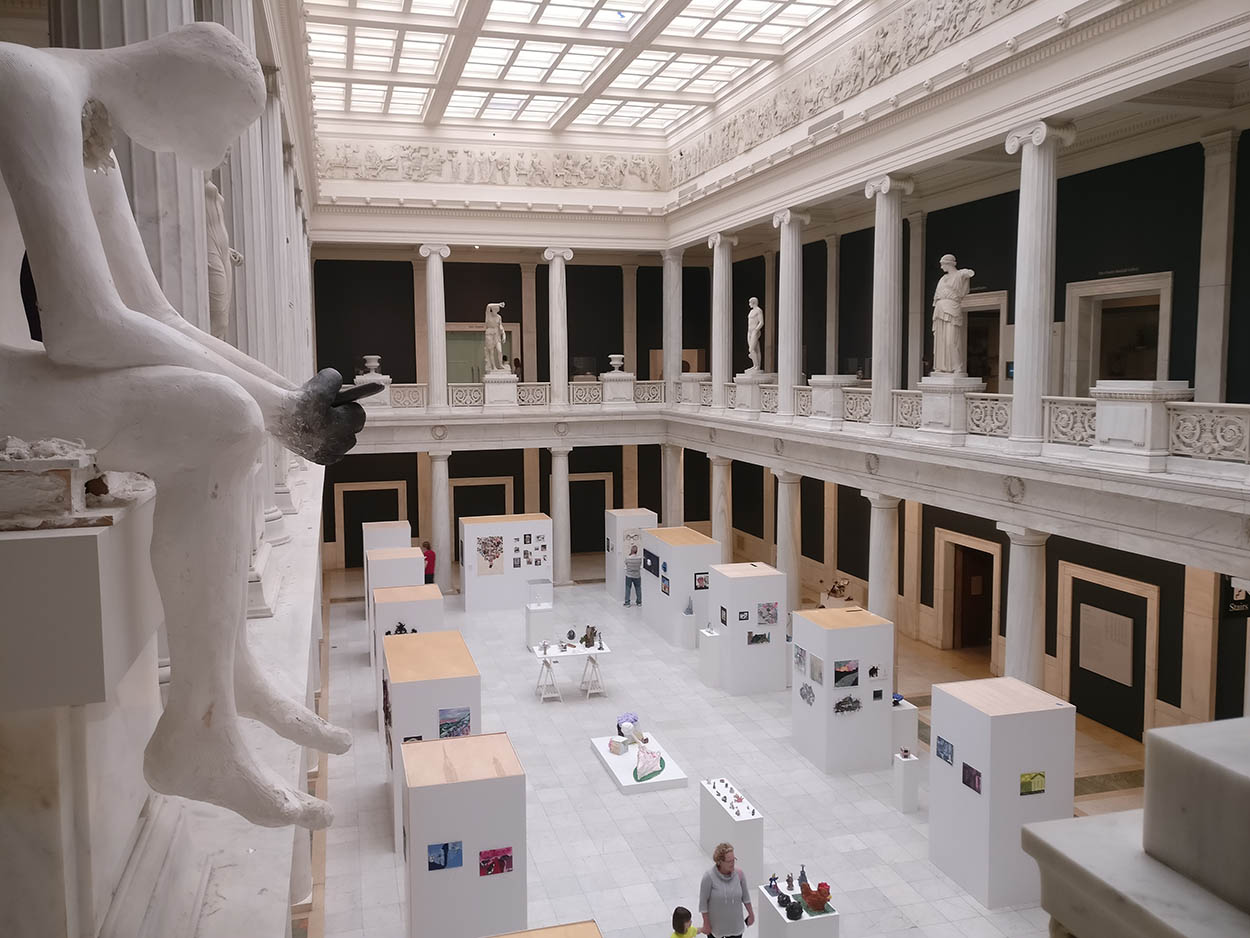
{"x":328,"y":45}
{"x":420,"y":53}
{"x":503,"y":106}
{"x":489,"y":57}
{"x":799,"y":14}
{"x":440,"y":7}
{"x":542,"y":108}
{"x":561,"y":15}
{"x":686,"y":26}
{"x":614,"y":19}
{"x":728,"y":29}
{"x":665,"y":115}
{"x":407,"y":100}
{"x":512,"y":11}
{"x":374,"y":49}
{"x":629,"y":114}
{"x":368,"y":98}
{"x":775,"y":32}
{"x":465,"y":103}
{"x":391,"y":6}
{"x":595,"y":112}
{"x":328,"y":95}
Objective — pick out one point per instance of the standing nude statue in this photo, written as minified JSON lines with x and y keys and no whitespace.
{"x":221,"y":258}
{"x":493,"y":340}
{"x":948,"y":318}
{"x":120,"y":369}
{"x":755,"y":326}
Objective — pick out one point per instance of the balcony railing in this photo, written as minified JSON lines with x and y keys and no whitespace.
{"x":705,"y":393}
{"x":585,"y":392}
{"x":768,"y":398}
{"x":857,"y":405}
{"x":906,"y":408}
{"x":731,"y":395}
{"x":989,"y":414}
{"x":533,"y":394}
{"x":409,"y":395}
{"x":802,"y":400}
{"x":1209,"y":431}
{"x":1070,"y":420}
{"x":466,"y":395}
{"x":648,"y":392}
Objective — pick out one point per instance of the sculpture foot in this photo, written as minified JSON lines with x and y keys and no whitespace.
{"x":204,"y":762}
{"x":258,"y":699}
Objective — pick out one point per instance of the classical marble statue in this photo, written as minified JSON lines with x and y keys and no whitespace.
{"x":948,"y":318}
{"x":221,"y":257}
{"x":120,"y":369}
{"x":493,"y":340}
{"x":755,"y":326}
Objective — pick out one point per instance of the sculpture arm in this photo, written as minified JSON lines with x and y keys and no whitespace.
{"x":967,"y":273}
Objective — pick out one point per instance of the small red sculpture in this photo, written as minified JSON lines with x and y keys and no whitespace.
{"x":817,"y":898}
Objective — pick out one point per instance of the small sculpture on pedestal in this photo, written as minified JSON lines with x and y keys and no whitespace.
{"x":755,"y":326}
{"x":790,"y":882}
{"x":492,"y":339}
{"x":221,"y":257}
{"x":948,"y":318}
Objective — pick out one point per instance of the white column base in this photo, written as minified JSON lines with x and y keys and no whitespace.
{"x":275,"y":526}
{"x":263,"y":582}
{"x":286,"y":498}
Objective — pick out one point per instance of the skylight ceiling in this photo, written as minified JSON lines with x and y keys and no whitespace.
{"x":643,"y":66}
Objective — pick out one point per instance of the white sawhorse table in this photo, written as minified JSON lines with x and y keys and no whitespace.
{"x":592,"y":678}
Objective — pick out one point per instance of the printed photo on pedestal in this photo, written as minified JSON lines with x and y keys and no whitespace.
{"x":445,"y":856}
{"x":848,"y":704}
{"x":875,"y":672}
{"x":846,"y":673}
{"x":878,"y":694}
{"x":818,"y":669}
{"x":945,"y":751}
{"x":700,"y":581}
{"x":759,"y":638}
{"x":800,"y":659}
{"x":1032,"y":783}
{"x":724,"y":618}
{"x":490,"y":862}
{"x":972,"y":778}
{"x":806,"y":694}
{"x":607,"y":545}
{"x":650,"y":562}
{"x":766,"y":613}
{"x":664,"y":585}
{"x":744,"y":615}
{"x":454,"y":721}
{"x":528,"y":538}
{"x":489,"y":550}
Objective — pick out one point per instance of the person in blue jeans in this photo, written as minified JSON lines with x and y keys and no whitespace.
{"x":633,"y":574}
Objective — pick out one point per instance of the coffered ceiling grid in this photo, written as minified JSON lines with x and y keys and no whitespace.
{"x":639,"y":65}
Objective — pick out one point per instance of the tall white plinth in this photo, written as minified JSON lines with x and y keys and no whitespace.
{"x":905,"y":722}
{"x":419,"y":608}
{"x":622,"y":529}
{"x":710,"y":655}
{"x":430,"y":678}
{"x":841,"y":697}
{"x":906,"y":781}
{"x":747,"y":605}
{"x":387,"y":567}
{"x":774,"y":924}
{"x":383,"y":535}
{"x":1011,"y":750}
{"x":677,"y":560}
{"x":499,"y":555}
{"x":723,"y":819}
{"x":464,"y":803}
{"x":540,"y":623}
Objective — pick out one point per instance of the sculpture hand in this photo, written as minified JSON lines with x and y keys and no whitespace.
{"x":236,"y":258}
{"x":313,"y":426}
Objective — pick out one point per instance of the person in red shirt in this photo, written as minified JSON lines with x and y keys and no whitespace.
{"x":429,"y":561}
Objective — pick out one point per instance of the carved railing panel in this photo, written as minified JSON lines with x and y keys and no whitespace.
{"x":1070,"y":420}
{"x":857,"y":405}
{"x":409,"y":395}
{"x":1210,"y":431}
{"x":533,"y":394}
{"x":585,"y":392}
{"x":731,"y":395}
{"x":466,"y":395}
{"x":906,"y":408}
{"x":648,"y":392}
{"x":768,"y":398}
{"x":705,"y":393}
{"x":989,"y":414}
{"x":803,"y":400}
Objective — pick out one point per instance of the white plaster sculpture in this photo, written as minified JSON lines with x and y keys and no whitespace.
{"x":755,"y":326}
{"x":948,"y":318}
{"x":121,"y":370}
{"x":493,"y":340}
{"x":221,"y":258}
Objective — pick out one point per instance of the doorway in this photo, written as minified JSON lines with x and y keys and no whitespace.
{"x":465,"y":355}
{"x":469,"y":500}
{"x":1128,"y":346}
{"x":359,"y":507}
{"x":1117,"y":328}
{"x":973,"y":597}
{"x":983,"y":340}
{"x":1108,"y":656}
{"x":587,"y":501}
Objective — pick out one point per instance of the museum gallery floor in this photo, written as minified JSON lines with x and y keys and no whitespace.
{"x":627,"y":861}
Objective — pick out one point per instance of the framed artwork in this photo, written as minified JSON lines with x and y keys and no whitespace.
{"x":446,"y":856}
{"x":846,"y":673}
{"x":650,"y":562}
{"x":759,"y":638}
{"x":877,"y":694}
{"x":540,"y":538}
{"x":806,"y":694}
{"x":972,"y":778}
{"x":529,"y":538}
{"x":847,"y":704}
{"x":875,"y":672}
{"x":633,"y":538}
{"x":800,"y":659}
{"x":490,"y":862}
{"x":724,"y":617}
{"x":766,"y":613}
{"x":818,"y":669}
{"x":664,"y":585}
{"x":454,"y":721}
{"x":945,"y":751}
{"x":744,"y":615}
{"x":700,"y":581}
{"x":516,"y":562}
{"x":1032,"y":783}
{"x":489,"y":549}
{"x":664,"y":566}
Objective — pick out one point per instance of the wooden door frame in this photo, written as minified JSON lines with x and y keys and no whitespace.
{"x":944,"y":542}
{"x":400,"y":485}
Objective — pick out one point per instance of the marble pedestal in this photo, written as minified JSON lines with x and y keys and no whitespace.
{"x":944,"y":407}
{"x":499,"y":389}
{"x":749,"y":394}
{"x":618,"y":390}
{"x":690,"y":390}
{"x":383,"y":397}
{"x":827,"y":398}
{"x":1131,"y":422}
{"x":906,"y":782}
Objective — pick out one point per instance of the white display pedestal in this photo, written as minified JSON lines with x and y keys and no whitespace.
{"x":680,"y":554}
{"x":496,"y":575}
{"x":748,"y":392}
{"x":905,"y":724}
{"x":906,"y":781}
{"x":711,"y":650}
{"x":622,"y":528}
{"x":617,"y":390}
{"x":378,"y":534}
{"x":499,"y":390}
{"x":540,"y":623}
{"x":424,"y":674}
{"x":539,"y":591}
{"x":774,"y":924}
{"x":621,"y":768}
{"x":753,"y":598}
{"x":999,"y":730}
{"x":385,"y":567}
{"x":944,"y":407}
{"x":419,"y":608}
{"x":853,"y":739}
{"x":468,"y":791}
{"x":719,"y":824}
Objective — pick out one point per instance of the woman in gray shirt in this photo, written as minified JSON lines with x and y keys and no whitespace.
{"x":722,"y":894}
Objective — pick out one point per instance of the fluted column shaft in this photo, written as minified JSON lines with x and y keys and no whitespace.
{"x":887,"y":295}
{"x":558,"y":325}
{"x":1215,"y":273}
{"x":1026,"y":605}
{"x":435,"y":326}
{"x":440,"y":509}
{"x":1035,"y":277}
{"x":629,"y":317}
{"x":722,"y":314}
{"x":674,"y":494}
{"x":883,"y":555}
{"x":560,"y":528}
{"x":722,"y":523}
{"x":789,"y":308}
{"x":672,"y":325}
{"x":833,"y":245}
{"x":789,"y":534}
{"x":915,"y":299}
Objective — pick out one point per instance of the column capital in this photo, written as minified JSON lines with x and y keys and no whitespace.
{"x":717,"y":459}
{"x":884,"y":185}
{"x":1038,"y":132}
{"x":560,"y":450}
{"x":786,"y":477}
{"x":833,"y":239}
{"x":529,"y":268}
{"x":672,"y":254}
{"x":550,"y":254}
{"x":1022,"y":536}
{"x":441,"y":250}
{"x":880,"y":500}
{"x":916,"y":217}
{"x":1220,"y":143}
{"x":629,"y":268}
{"x":714,"y":240}
{"x":440,"y":454}
{"x":788,"y":216}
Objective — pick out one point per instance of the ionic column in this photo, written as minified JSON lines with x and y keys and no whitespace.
{"x":833,"y":245}
{"x":887,"y":296}
{"x":558,"y":327}
{"x":674,"y":491}
{"x":435,"y":326}
{"x":789,"y":532}
{"x":722,"y":523}
{"x":1038,"y":144}
{"x":440,"y":509}
{"x":722,"y":314}
{"x":768,"y":348}
{"x":789,"y":308}
{"x":1026,"y":605}
{"x":883,"y":555}
{"x":629,"y":317}
{"x":560,"y":531}
{"x":915,"y":298}
{"x":672,"y":325}
{"x":1215,"y":271}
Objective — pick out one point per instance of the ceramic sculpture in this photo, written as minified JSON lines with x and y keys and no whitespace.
{"x":120,"y":369}
{"x":817,"y":898}
{"x":794,"y":911}
{"x":948,"y":318}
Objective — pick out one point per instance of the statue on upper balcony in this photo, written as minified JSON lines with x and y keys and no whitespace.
{"x":948,"y":318}
{"x":221,"y":258}
{"x":493,"y":340}
{"x":755,"y":326}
